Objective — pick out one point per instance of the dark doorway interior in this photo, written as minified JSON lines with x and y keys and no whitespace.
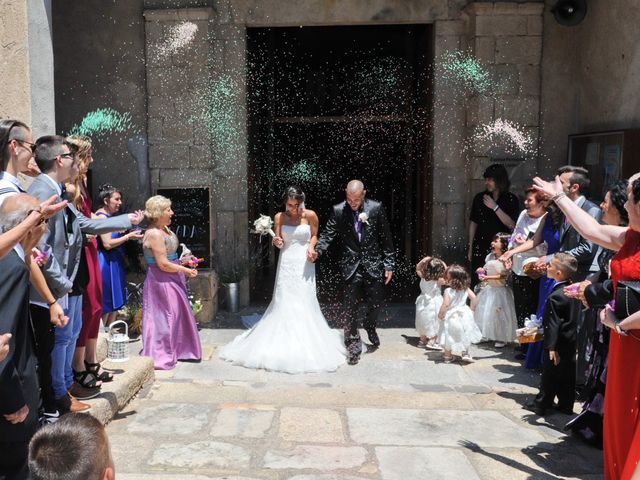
{"x":328,"y":104}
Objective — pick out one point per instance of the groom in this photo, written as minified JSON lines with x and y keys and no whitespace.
{"x":368,"y":260}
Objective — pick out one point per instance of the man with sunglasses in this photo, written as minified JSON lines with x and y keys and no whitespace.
{"x":16,"y":158}
{"x":62,"y":243}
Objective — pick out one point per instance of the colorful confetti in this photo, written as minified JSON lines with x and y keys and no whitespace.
{"x":103,"y":121}
{"x":463,"y":67}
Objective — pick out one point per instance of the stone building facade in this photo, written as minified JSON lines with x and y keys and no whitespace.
{"x":518,"y":41}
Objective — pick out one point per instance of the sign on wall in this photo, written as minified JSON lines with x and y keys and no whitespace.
{"x":191,"y":219}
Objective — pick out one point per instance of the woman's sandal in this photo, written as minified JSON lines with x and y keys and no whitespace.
{"x":86,"y":379}
{"x":422,"y":344}
{"x":94,"y":368}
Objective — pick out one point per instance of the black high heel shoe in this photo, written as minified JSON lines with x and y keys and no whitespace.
{"x":94,"y":368}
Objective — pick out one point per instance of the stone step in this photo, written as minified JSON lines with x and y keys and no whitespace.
{"x":129,"y":378}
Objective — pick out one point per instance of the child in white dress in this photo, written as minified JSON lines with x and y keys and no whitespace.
{"x":459,"y":328}
{"x":496,"y":311}
{"x":431,"y":272}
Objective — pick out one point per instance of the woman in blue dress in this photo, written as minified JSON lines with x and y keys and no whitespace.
{"x":549,"y":232}
{"x":111,"y":256}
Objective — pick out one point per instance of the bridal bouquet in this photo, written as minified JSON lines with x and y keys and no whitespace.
{"x":263,"y":225}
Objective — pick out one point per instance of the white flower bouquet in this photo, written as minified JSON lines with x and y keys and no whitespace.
{"x":263,"y":225}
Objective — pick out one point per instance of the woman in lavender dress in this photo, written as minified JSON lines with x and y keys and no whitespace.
{"x":169,"y":330}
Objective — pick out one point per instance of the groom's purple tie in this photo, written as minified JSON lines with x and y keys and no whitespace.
{"x":357,"y":223}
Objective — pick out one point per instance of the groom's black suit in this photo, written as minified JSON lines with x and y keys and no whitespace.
{"x":364,"y":260}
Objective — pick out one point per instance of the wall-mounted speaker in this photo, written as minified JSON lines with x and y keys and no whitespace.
{"x":569,"y":12}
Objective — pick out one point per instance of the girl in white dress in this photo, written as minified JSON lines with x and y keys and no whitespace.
{"x":293,"y":335}
{"x":496,"y":311}
{"x":431,"y":272}
{"x":459,"y":329}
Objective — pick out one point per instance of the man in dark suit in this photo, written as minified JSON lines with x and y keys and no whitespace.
{"x":19,"y":389}
{"x":559,"y":322}
{"x":368,"y":261}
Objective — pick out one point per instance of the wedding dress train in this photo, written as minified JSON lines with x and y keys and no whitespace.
{"x":293,"y":335}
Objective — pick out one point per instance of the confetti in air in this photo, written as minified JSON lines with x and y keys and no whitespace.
{"x":217,"y":113}
{"x":303,"y":173}
{"x":504,"y":130}
{"x":465,"y":68}
{"x":179,"y":37}
{"x":103,"y":121}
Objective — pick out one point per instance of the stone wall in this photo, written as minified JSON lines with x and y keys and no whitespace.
{"x":590,"y":76}
{"x":506,"y":39}
{"x":26,"y":64}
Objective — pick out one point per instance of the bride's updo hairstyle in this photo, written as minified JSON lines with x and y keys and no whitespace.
{"x":294,"y":193}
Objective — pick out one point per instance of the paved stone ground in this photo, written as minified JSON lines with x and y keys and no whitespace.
{"x":401,"y":413}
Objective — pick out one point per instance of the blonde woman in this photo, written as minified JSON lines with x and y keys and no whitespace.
{"x":169,"y":330}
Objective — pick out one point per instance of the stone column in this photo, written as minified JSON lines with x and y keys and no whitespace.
{"x":450,"y":165}
{"x":506,"y":38}
{"x":26,"y":65}
{"x":230,"y":149}
{"x":178,"y":53}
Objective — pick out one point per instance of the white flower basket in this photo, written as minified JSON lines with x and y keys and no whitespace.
{"x":118,"y":343}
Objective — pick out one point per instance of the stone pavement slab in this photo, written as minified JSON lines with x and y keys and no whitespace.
{"x":310,"y":425}
{"x":243,"y":421}
{"x":316,"y":457}
{"x":170,"y":419}
{"x":437,"y":428}
{"x":201,"y":454}
{"x":419,"y":463}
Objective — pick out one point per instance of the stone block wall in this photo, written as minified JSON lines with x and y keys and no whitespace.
{"x":181,"y":153}
{"x":507,"y":37}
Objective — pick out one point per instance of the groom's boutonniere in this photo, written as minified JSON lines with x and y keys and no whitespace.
{"x":364,"y":217}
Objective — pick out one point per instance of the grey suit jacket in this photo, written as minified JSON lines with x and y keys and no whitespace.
{"x":62,"y":240}
{"x":584,"y":251}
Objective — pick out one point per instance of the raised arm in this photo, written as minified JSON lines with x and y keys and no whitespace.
{"x":47,"y":209}
{"x":527,"y":245}
{"x":608,"y":236}
{"x":109,"y":243}
{"x":277,"y":240}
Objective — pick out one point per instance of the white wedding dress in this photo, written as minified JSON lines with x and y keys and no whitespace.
{"x":293,"y":335}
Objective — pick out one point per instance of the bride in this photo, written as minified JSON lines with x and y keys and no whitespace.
{"x":293,"y":335}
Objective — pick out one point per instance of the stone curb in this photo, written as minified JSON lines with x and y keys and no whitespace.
{"x":129,"y":378}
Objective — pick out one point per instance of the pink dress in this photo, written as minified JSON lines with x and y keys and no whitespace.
{"x":169,"y":331}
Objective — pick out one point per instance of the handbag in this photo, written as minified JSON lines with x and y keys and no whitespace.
{"x":627,"y":299}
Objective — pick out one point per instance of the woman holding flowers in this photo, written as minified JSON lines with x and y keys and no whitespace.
{"x":169,"y":330}
{"x":293,"y":335}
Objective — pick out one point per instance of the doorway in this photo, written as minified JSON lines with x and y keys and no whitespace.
{"x":329,"y":104}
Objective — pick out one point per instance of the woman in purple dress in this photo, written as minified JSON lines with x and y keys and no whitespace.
{"x":169,"y":330}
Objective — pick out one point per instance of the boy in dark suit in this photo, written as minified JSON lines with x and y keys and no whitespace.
{"x":559,"y":321}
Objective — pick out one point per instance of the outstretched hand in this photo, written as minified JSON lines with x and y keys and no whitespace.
{"x":548,"y":188}
{"x":49,"y":207}
{"x":136,"y":217}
